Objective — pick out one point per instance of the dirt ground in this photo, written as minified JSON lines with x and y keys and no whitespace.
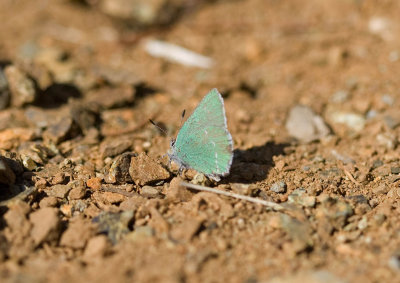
{"x":312,"y":99}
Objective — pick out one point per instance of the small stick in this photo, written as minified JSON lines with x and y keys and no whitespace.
{"x":348,"y":174}
{"x":270,"y":204}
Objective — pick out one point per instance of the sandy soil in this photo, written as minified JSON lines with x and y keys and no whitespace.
{"x":311,"y":92}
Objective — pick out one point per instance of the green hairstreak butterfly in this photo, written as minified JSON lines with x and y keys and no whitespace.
{"x":204,"y":142}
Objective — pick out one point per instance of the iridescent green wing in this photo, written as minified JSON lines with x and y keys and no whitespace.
{"x":204,"y":142}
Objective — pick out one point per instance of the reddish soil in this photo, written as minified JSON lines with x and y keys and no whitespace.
{"x":77,"y":88}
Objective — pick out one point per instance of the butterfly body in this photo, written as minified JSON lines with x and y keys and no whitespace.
{"x":204,"y":142}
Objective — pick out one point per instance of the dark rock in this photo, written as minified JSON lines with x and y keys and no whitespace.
{"x":7,"y":175}
{"x":119,"y":170}
{"x":62,"y":130}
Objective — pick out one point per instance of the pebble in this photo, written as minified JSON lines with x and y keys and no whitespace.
{"x":46,"y":225}
{"x":394,"y":262}
{"x":48,"y":202}
{"x":94,"y":183}
{"x":144,"y":170}
{"x":353,"y":121}
{"x":119,"y":169}
{"x":340,"y":96}
{"x":58,"y":191}
{"x":304,"y":125}
{"x":142,"y":13}
{"x":299,"y":196}
{"x":114,"y":147}
{"x":150,"y":192}
{"x":77,"y":193}
{"x":114,"y":225}
{"x":7,"y":176}
{"x":279,"y":187}
{"x":63,"y":129}
{"x":13,"y":137}
{"x":21,"y":86}
{"x":336,"y":211}
{"x":298,"y":231}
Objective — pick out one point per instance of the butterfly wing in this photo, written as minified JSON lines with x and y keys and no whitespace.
{"x":204,"y":142}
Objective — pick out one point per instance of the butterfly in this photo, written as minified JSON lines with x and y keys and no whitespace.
{"x":204,"y":142}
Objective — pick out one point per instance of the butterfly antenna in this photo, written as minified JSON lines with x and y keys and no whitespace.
{"x":182,"y":116}
{"x":158,"y":127}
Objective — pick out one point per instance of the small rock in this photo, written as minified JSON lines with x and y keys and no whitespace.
{"x":336,"y":211}
{"x":77,"y":234}
{"x":150,"y":192}
{"x":7,"y":175}
{"x":45,"y":225}
{"x":112,"y":198}
{"x":394,"y":262}
{"x":48,"y":202}
{"x":94,"y":183}
{"x":114,"y":148}
{"x":114,"y":225}
{"x":300,"y":197}
{"x":395,"y":170}
{"x":29,"y":163}
{"x":279,"y":187}
{"x":96,"y":248}
{"x":144,"y":170}
{"x":15,"y":217}
{"x":176,"y":192}
{"x":387,"y":140}
{"x":62,"y":130}
{"x":119,"y":170}
{"x":112,"y":97}
{"x":298,"y":231}
{"x":58,"y":191}
{"x":77,"y":193}
{"x":21,"y":86}
{"x":305,"y":125}
{"x":13,"y":137}
{"x":340,"y":96}
{"x":59,"y":178}
{"x":142,"y":13}
{"x":353,"y":121}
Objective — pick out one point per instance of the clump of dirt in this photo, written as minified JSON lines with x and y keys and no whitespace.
{"x":312,"y":102}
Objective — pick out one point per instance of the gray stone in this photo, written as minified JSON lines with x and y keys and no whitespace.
{"x":278,"y":187}
{"x":304,"y":125}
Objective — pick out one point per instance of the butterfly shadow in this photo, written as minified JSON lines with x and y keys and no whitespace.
{"x":253,"y":164}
